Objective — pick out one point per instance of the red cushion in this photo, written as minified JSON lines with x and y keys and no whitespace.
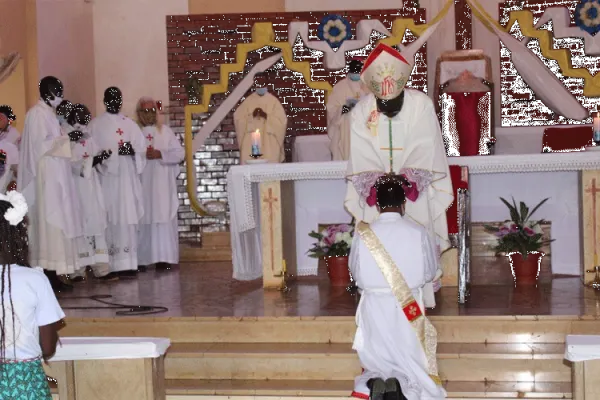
{"x":574,"y":138}
{"x":452,"y":212}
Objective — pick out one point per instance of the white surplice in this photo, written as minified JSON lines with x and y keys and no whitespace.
{"x":272,"y":131}
{"x":386,"y":343}
{"x":92,"y":248}
{"x":8,"y":171}
{"x":417,"y":144}
{"x":338,"y":124}
{"x":46,"y":180}
{"x":158,"y":238}
{"x":11,"y":135}
{"x":121,"y":187}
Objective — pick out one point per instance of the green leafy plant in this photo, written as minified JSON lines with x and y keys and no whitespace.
{"x":519,"y":233}
{"x":333,"y":241}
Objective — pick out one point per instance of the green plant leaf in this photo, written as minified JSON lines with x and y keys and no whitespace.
{"x":514,"y":214}
{"x":536,"y":207}
{"x":524,"y":210}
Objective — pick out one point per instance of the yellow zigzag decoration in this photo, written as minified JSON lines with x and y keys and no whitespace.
{"x":561,"y":56}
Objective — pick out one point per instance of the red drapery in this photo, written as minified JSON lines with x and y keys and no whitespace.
{"x":468,"y":121}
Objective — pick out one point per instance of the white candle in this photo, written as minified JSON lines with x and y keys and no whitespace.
{"x":596,"y":121}
{"x":256,"y":143}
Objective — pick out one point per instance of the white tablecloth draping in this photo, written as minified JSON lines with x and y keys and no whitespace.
{"x":582,"y":348}
{"x":243,"y":195}
{"x":107,"y":348}
{"x":311,"y":148}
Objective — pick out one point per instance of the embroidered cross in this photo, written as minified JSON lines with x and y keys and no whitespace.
{"x":82,"y":142}
{"x":149,"y":137}
{"x":119,"y":131}
{"x":270,"y":200}
{"x":121,"y":142}
{"x":85,"y":155}
{"x":412,"y":311}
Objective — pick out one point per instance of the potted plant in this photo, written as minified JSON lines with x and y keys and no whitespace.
{"x":333,"y":244}
{"x":520,"y":239}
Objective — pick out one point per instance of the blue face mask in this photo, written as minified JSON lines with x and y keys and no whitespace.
{"x":261,"y":91}
{"x":354,"y":77}
{"x":61,"y":119}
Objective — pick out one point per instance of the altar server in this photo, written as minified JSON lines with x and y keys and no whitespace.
{"x":87,"y":159}
{"x":158,"y":234}
{"x":263,"y":111}
{"x":394,"y":129}
{"x":9,"y":161}
{"x":7,"y":130}
{"x":342,"y":99}
{"x":391,"y":260}
{"x":46,"y":181}
{"x":120,"y":181}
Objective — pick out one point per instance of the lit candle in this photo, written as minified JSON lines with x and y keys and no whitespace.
{"x":256,"y":143}
{"x":596,"y":117}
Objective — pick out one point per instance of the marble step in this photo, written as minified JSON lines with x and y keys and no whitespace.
{"x":460,"y":329}
{"x":340,"y":390}
{"x":283,"y":361}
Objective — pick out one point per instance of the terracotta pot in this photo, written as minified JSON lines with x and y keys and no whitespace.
{"x":525,"y":270}
{"x":337,"y":269}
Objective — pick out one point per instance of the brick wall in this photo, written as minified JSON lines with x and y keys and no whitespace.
{"x":198,"y":44}
{"x":520,"y":107}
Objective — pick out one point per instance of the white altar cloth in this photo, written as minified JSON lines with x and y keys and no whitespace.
{"x":491,"y":177}
{"x":580,"y":348}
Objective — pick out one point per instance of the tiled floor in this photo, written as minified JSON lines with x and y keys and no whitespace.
{"x":209,"y":290}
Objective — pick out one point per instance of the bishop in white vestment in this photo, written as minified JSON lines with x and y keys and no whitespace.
{"x":87,"y":159}
{"x":120,"y":181}
{"x":342,"y":99}
{"x":46,"y":180}
{"x":158,"y":233}
{"x":263,"y":111}
{"x":391,"y":261}
{"x":397,"y":130}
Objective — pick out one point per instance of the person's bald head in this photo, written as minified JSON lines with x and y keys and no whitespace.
{"x":113,"y":99}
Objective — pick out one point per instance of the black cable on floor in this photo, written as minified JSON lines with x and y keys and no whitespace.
{"x":125,"y":309}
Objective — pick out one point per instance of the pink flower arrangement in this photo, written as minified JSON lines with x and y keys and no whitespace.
{"x":333,"y":241}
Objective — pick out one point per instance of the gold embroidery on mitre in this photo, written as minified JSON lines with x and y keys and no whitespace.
{"x":423,"y":328}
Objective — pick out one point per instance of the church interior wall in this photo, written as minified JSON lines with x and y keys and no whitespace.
{"x":519,"y":104}
{"x":66,"y":48}
{"x":199,"y":43}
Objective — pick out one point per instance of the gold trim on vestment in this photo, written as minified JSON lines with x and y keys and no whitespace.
{"x":423,"y":328}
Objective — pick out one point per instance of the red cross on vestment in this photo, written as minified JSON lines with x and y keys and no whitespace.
{"x":119,"y":131}
{"x":149,"y":137}
{"x":82,"y":143}
{"x":85,"y":155}
{"x":121,"y":142}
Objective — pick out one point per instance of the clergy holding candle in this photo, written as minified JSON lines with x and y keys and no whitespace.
{"x":260,"y":125}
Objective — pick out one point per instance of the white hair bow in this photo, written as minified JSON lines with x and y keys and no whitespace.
{"x":17,"y":212}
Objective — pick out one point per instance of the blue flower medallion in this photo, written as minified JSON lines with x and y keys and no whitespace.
{"x":587,"y":16}
{"x":334,"y":29}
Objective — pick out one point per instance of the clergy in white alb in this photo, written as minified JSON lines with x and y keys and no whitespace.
{"x":7,"y":130}
{"x":394,"y":129}
{"x":46,"y":180}
{"x":158,"y":233}
{"x":391,"y":260}
{"x":342,"y":99}
{"x":87,"y":159}
{"x":9,"y":161}
{"x":120,"y":181}
{"x":263,"y":111}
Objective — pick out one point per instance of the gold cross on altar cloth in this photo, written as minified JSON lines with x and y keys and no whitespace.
{"x":593,"y":191}
{"x":270,"y":200}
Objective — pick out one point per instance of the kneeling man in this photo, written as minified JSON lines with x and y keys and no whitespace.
{"x":391,"y":261}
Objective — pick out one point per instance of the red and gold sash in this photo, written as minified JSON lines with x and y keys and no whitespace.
{"x":423,"y":328}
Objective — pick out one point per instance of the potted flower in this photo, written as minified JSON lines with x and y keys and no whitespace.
{"x":520,"y":239}
{"x":333,"y":244}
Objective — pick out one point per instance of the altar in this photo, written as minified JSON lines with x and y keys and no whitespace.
{"x":274,"y":207}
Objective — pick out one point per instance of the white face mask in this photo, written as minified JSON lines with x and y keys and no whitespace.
{"x":56,"y":101}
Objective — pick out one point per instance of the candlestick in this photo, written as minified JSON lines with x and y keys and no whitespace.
{"x":256,"y":143}
{"x":596,"y":260}
{"x":596,"y":119}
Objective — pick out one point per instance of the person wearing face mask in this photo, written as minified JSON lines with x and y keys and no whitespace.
{"x":46,"y":180}
{"x":263,"y":111}
{"x":87,"y":159}
{"x":342,"y":99}
{"x":7,"y":130}
{"x":158,"y":236}
{"x":120,"y":182}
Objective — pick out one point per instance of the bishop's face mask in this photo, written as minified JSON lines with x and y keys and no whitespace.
{"x":55,"y":102}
